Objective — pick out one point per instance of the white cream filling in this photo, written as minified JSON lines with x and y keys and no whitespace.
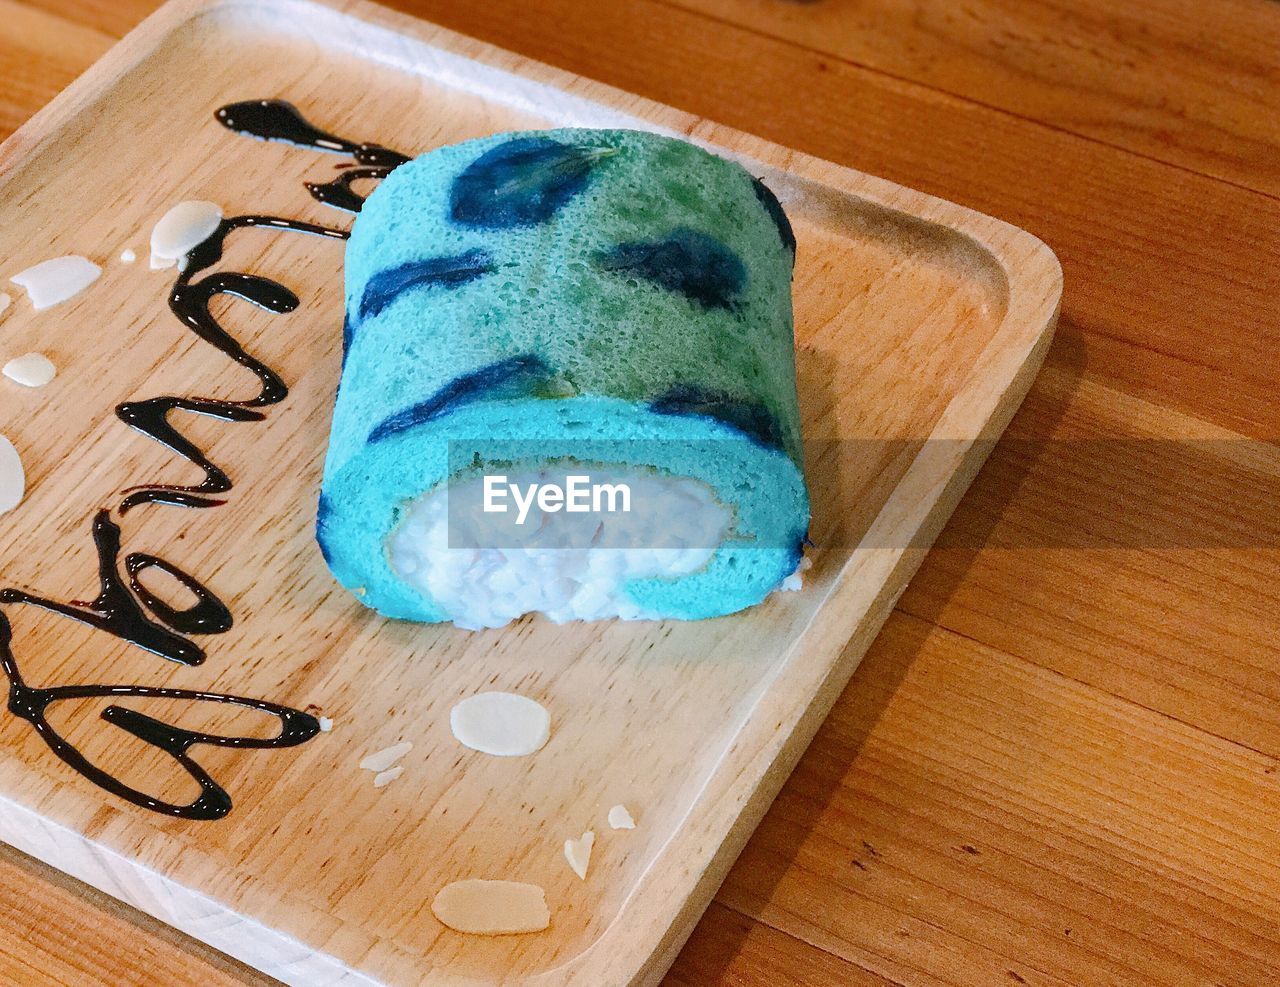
{"x":567,"y":566}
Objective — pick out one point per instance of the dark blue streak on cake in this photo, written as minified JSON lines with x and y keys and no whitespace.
{"x":774,"y":208}
{"x":517,"y":376}
{"x":348,"y":330}
{"x":686,"y":261}
{"x":323,"y":510}
{"x":447,"y":272}
{"x":749,"y":417}
{"x":521,"y":182}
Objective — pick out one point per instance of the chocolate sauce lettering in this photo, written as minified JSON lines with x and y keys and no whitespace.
{"x":114,"y":609}
{"x":208,"y":615}
{"x":32,"y":704}
{"x":277,"y":120}
{"x":189,"y":301}
{"x":125,"y":607}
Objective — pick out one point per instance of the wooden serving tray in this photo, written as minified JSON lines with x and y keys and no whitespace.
{"x":917,"y":320}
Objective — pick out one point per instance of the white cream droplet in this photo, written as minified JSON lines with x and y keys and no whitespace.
{"x":128,"y":256}
{"x":31,"y":370}
{"x":383,"y":759}
{"x":384,"y":778}
{"x":326,"y":724}
{"x":620,"y":818}
{"x":54,"y":281}
{"x":181,"y":230}
{"x":13,"y":481}
{"x":500,"y":723}
{"x":795,"y":582}
{"x":578,"y":853}
{"x":492,"y":908}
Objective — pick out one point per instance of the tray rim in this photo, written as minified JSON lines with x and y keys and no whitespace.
{"x":916,"y":510}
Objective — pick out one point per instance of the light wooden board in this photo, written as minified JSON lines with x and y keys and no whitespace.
{"x":917,"y":319}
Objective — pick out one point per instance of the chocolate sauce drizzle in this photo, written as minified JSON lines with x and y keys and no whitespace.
{"x":208,"y":615}
{"x":124,"y":607}
{"x":277,"y":120}
{"x":114,"y":609}
{"x":189,"y":301}
{"x":213,"y":802}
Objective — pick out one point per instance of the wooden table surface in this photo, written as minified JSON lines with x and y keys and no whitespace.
{"x":1058,"y":764}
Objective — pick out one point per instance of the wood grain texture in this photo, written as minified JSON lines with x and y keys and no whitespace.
{"x":40,"y":53}
{"x":1144,"y":348}
{"x":57,"y":931}
{"x":964,"y":814}
{"x":114,"y":17}
{"x":944,"y":316}
{"x":1129,"y":546}
{"x":1159,"y":78}
{"x":729,"y":948}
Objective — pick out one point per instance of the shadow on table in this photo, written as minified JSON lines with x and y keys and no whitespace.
{"x":769,"y":864}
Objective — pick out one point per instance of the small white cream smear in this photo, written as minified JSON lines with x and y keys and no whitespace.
{"x":13,"y":481}
{"x":795,"y":581}
{"x":578,"y":853}
{"x":5,"y":301}
{"x":326,"y":724}
{"x":492,"y":908}
{"x":128,"y":256}
{"x":30,"y":370}
{"x":620,"y":818}
{"x":54,"y":281}
{"x":500,"y":723}
{"x":181,"y":230}
{"x":384,"y":778}
{"x":383,"y":759}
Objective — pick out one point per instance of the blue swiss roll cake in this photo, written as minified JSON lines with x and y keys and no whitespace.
{"x":529,"y":312}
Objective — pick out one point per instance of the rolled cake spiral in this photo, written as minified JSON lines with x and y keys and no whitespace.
{"x":556,"y":300}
